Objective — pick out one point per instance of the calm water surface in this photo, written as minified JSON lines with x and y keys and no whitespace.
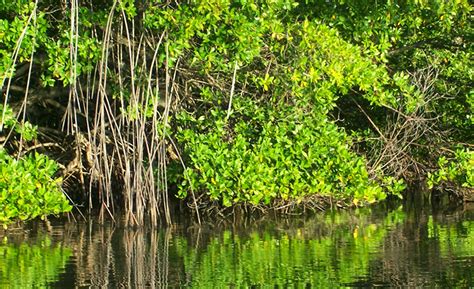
{"x":386,"y":247}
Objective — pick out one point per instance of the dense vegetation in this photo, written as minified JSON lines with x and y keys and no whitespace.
{"x":271,"y":103}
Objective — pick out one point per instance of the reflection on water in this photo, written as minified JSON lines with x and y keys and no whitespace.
{"x":383,"y":247}
{"x":31,"y":265}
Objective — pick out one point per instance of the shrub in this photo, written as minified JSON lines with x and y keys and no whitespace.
{"x":275,"y":139}
{"x":458,"y":169}
{"x":28,"y":189}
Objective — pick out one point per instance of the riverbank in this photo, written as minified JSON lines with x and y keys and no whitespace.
{"x":222,"y":103}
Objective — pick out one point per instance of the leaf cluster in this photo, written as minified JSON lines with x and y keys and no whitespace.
{"x":458,"y":169}
{"x":275,"y":139}
{"x":28,"y":188}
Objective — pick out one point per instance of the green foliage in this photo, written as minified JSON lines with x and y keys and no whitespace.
{"x":8,"y":121}
{"x":27,"y":188}
{"x":257,"y":119}
{"x":382,"y":26}
{"x":31,"y":265}
{"x":212,"y":31}
{"x":20,"y":36}
{"x":414,"y":36}
{"x":65,"y":65}
{"x":29,"y":28}
{"x":423,"y":42}
{"x":458,"y":169}
{"x":276,"y":142}
{"x":272,"y":155}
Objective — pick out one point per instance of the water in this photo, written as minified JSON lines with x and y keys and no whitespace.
{"x":387,"y":247}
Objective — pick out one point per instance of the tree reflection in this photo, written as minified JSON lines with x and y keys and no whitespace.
{"x":406,"y":247}
{"x":31,"y":265}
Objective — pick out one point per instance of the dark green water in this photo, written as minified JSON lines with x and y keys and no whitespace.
{"x":387,"y":247}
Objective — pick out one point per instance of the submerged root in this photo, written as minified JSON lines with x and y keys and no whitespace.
{"x":210,"y":210}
